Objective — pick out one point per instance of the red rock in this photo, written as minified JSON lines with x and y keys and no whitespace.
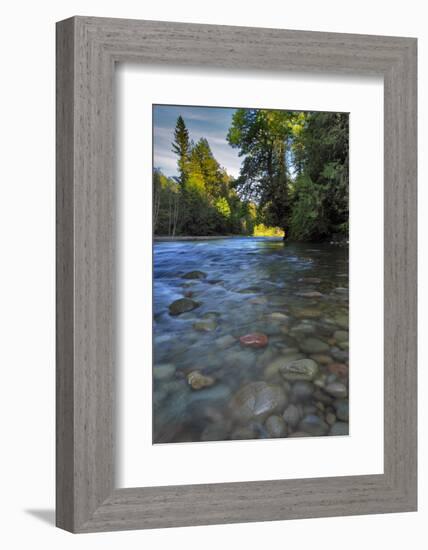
{"x":339,"y":369}
{"x":254,"y":340}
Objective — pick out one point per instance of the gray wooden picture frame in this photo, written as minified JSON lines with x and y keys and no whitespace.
{"x":87,"y":50}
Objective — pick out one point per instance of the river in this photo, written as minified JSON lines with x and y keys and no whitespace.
{"x":288,"y":378}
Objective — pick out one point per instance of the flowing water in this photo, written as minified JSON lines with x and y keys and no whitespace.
{"x":293,"y":296}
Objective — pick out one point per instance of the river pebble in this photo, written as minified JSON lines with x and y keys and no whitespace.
{"x":342,"y":409}
{"x":314,"y":425}
{"x":276,"y":426}
{"x":336,"y":389}
{"x":257,"y":401}
{"x":292,"y":415}
{"x":182,"y":306}
{"x":301,"y":391}
{"x":164,"y":371}
{"x":197,"y":381}
{"x":313,"y":345}
{"x":195,"y":275}
{"x":206,"y":325}
{"x":301,"y":369}
{"x":254,"y":340}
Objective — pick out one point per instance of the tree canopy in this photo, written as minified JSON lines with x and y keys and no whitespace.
{"x":293,"y":179}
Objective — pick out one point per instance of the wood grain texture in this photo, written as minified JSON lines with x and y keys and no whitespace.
{"x":87,"y":49}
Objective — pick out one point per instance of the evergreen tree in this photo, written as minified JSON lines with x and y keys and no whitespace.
{"x":181,"y":147}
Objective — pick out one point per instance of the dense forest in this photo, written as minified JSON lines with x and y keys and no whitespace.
{"x":293,"y":180}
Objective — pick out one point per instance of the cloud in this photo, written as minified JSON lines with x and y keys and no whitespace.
{"x":209,"y":122}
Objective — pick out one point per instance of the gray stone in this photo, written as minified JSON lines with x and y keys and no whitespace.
{"x":225,"y":341}
{"x":276,"y":426}
{"x":340,"y":355}
{"x":313,"y":345}
{"x":292,"y":415}
{"x":330,"y":418}
{"x":257,"y":401}
{"x":301,"y":391}
{"x":163,"y":371}
{"x":342,"y":409}
{"x":218,"y":394}
{"x":195,"y":275}
{"x":309,"y":294}
{"x":301,"y":369}
{"x":273,"y":368}
{"x":314,"y":425}
{"x":206,"y":325}
{"x":341,"y":335}
{"x":342,"y":321}
{"x":336,"y":389}
{"x":182,"y":306}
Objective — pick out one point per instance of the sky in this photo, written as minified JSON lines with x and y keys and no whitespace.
{"x":212,"y":123}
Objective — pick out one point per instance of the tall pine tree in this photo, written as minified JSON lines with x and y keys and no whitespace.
{"x":181,"y":147}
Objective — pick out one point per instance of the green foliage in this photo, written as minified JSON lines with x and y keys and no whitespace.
{"x":181,"y":147}
{"x":308,"y":219}
{"x":295,"y":167}
{"x":223,"y":207}
{"x":293,"y":179}
{"x":261,"y":230}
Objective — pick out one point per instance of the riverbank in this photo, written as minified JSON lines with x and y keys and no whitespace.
{"x":205,"y":237}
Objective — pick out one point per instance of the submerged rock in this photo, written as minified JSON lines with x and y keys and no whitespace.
{"x":313,"y":345}
{"x":341,"y":335}
{"x":342,"y":320}
{"x":307,"y":313}
{"x":313,"y":425}
{"x":292,"y":415}
{"x":277,"y":316}
{"x":339,"y":369}
{"x":197,"y":381}
{"x":309,"y":294}
{"x":257,"y":401}
{"x":206,"y":325}
{"x":330,"y":418}
{"x":339,"y":354}
{"x":182,"y":306}
{"x":195,"y":275}
{"x":342,"y":409}
{"x":336,"y":389}
{"x":163,"y":371}
{"x":322,"y":359}
{"x":258,"y":301}
{"x":254,"y":340}
{"x":301,"y":369}
{"x":276,"y":426}
{"x":225,"y":341}
{"x":273,"y":368}
{"x":302,"y":391}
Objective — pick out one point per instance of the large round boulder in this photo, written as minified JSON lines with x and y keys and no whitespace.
{"x":257,"y":401}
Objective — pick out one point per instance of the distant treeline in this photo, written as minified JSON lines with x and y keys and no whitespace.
{"x":293,"y":179}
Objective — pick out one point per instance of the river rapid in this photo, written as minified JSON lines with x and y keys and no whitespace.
{"x":250,"y":340}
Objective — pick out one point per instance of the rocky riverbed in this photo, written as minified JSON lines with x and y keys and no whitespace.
{"x":250,"y":340}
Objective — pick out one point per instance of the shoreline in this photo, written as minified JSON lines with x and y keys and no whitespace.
{"x":208,"y":237}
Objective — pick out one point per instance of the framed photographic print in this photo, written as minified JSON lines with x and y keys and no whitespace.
{"x":236,"y":263}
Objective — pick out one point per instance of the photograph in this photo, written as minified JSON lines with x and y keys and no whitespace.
{"x":250,"y":273}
